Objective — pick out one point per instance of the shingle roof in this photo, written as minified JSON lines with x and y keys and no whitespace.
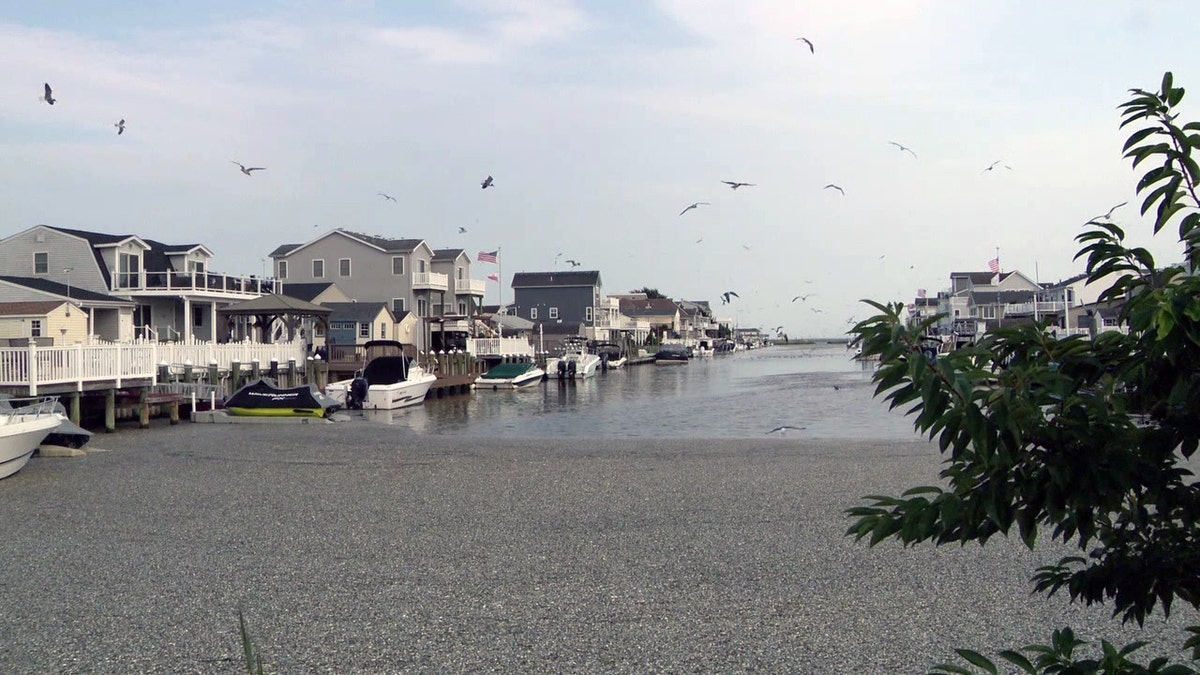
{"x":389,"y":245}
{"x":29,"y":308}
{"x":358,"y":312}
{"x":447,"y":253}
{"x":306,"y":291}
{"x":977,"y":278}
{"x":283,"y":249}
{"x":648,"y":307}
{"x":543,"y":279}
{"x":1002,"y":297}
{"x":72,"y":292}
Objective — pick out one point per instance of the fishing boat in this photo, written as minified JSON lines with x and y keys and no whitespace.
{"x":391,"y":379}
{"x":22,"y":430}
{"x":264,"y":398}
{"x":611,"y":355}
{"x":510,"y":376}
{"x":672,"y":353}
{"x":574,"y":362}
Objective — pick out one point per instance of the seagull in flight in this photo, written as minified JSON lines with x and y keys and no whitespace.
{"x":746,"y":246}
{"x":246,"y":170}
{"x":694,"y":206}
{"x":386,"y":196}
{"x":726,"y":295}
{"x":994,"y":165}
{"x":487,"y":183}
{"x":782,"y":430}
{"x":48,"y":95}
{"x":120,"y":127}
{"x":835,"y":187}
{"x":573,"y":263}
{"x":802,"y":298}
{"x":1110,"y":212}
{"x":809,"y":43}
{"x":462,"y":230}
{"x":904,"y":149}
{"x":700,"y":240}
{"x":735,"y":184}
{"x":816,"y":310}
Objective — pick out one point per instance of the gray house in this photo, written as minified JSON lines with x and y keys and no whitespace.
{"x":556,"y":297}
{"x":398,"y":272}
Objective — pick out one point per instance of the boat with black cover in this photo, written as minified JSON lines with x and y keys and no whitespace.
{"x":264,"y":398}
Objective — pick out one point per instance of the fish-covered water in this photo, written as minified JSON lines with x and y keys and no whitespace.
{"x":818,"y":389}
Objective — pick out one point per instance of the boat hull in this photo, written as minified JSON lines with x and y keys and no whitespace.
{"x":526,"y":379}
{"x":586,"y":366}
{"x":387,"y":396}
{"x":20,"y":435}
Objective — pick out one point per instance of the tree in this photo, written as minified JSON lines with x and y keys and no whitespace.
{"x":1084,"y":439}
{"x":651,"y":293}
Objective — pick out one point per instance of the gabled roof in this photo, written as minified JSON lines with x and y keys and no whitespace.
{"x":1066,"y":282}
{"x":306,"y":291}
{"x":382,"y":243}
{"x":589,"y":278}
{"x":511,"y":322}
{"x":55,"y":288}
{"x":284,"y":249}
{"x":977,"y":278}
{"x":155,"y":254}
{"x":274,"y":304}
{"x":358,"y":312}
{"x":648,"y":307}
{"x":38,"y":308}
{"x":445,"y":254}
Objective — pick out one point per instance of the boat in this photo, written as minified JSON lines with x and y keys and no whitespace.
{"x":22,"y":430}
{"x":390,"y":380}
{"x":510,"y":376}
{"x":66,"y":435}
{"x":672,"y":353}
{"x":264,"y":398}
{"x":611,"y":355}
{"x":574,"y":362}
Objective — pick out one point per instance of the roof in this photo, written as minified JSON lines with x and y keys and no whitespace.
{"x":306,"y":291}
{"x":545,"y":279}
{"x":283,"y":249}
{"x":389,"y":245}
{"x":1002,"y":297}
{"x":275,"y":304}
{"x":648,"y":307}
{"x":511,"y":322}
{"x":155,"y":258}
{"x":358,"y":312}
{"x":55,"y":288}
{"x":977,"y":278}
{"x":568,"y":328}
{"x":1068,"y":281}
{"x":38,"y":308}
{"x":443,"y":254}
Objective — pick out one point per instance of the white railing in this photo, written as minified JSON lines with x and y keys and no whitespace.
{"x":34,"y":366}
{"x":188,"y":282}
{"x":1028,"y":308}
{"x":434,"y":280}
{"x":470,"y":286}
{"x":499,"y":347}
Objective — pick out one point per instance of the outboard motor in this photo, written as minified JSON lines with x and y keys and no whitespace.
{"x":357,"y":394}
{"x":571,"y":370}
{"x":562,"y":369}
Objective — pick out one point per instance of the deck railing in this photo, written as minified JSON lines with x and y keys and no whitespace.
{"x":480,"y":347}
{"x":186,"y":282}
{"x":34,"y":366}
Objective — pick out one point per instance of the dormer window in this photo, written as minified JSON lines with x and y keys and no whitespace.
{"x":196,"y":266}
{"x":41,"y":262}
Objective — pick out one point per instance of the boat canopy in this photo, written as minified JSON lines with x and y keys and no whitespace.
{"x":384,"y":370}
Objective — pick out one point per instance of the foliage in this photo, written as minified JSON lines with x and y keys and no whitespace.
{"x":1082,"y":440}
{"x":254,"y":664}
{"x":651,"y":293}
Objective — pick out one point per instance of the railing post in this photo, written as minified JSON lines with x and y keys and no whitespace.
{"x":119,"y":349}
{"x":78,"y":356}
{"x":33,"y":374}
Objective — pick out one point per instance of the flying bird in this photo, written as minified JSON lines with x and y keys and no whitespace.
{"x":802,"y":298}
{"x":726,"y":295}
{"x":1110,"y":212}
{"x":994,"y":165}
{"x":120,"y":127}
{"x":694,"y":206}
{"x":386,"y":196}
{"x":48,"y":96}
{"x":817,"y":311}
{"x":746,"y":246}
{"x":572,"y":263}
{"x":835,"y":187}
{"x":735,"y":185}
{"x":782,"y":431}
{"x":487,"y":183}
{"x":700,"y":240}
{"x":246,"y":170}
{"x":809,"y":43}
{"x":904,"y":149}
{"x":462,"y":230}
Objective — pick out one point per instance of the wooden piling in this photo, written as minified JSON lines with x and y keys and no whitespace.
{"x":144,"y":408}
{"x":235,"y":377}
{"x":73,"y":410}
{"x":110,"y":410}
{"x":173,"y":410}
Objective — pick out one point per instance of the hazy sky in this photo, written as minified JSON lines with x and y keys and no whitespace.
{"x":600,"y":122}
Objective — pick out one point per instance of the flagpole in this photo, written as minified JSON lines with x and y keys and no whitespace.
{"x":500,"y":281}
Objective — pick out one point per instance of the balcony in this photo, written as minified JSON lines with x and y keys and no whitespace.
{"x":470,"y":287}
{"x":430,"y":281}
{"x":189,"y":283}
{"x":1022,"y":308}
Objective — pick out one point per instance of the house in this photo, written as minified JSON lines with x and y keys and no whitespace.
{"x":556,"y":298}
{"x":398,"y":272}
{"x":661,"y":315}
{"x":174,"y":293}
{"x":316,"y":293}
{"x":696,"y":321}
{"x":464,"y":296}
{"x":108,"y":316}
{"x":356,"y":323}
{"x":46,"y":322}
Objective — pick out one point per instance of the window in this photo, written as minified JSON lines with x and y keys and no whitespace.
{"x":41,"y":262}
{"x":282,"y":265}
{"x":422,"y":307}
{"x":421,"y":266}
{"x":397,"y":265}
{"x":196,"y":266}
{"x":397,"y":306}
{"x":533,"y":312}
{"x":989,"y":312}
{"x":197,"y":318}
{"x":35,"y":328}
{"x":382,"y":331}
{"x":462,"y":308}
{"x":319,"y":330}
{"x":318,"y":269}
{"x":343,"y":267}
{"x":587,"y":314}
{"x":460,"y":274}
{"x":128,"y":270}
{"x":364,"y":330}
{"x":553,"y":312}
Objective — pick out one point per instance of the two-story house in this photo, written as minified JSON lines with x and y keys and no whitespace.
{"x":560,"y":303}
{"x":130,"y":286}
{"x":399,"y":272}
{"x":661,"y":315}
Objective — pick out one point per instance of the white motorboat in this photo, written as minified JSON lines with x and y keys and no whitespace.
{"x":575,"y":362}
{"x":390,"y":379}
{"x":510,"y":376}
{"x":22,"y":430}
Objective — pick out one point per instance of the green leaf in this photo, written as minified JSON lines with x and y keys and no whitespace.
{"x":1018,"y":660}
{"x":977,"y":660}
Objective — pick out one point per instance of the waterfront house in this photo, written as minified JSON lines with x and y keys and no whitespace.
{"x":558,"y":299}
{"x":399,"y":272}
{"x":173,"y":292}
{"x":45,"y":322}
{"x":108,"y":317}
{"x":356,"y":323}
{"x":661,"y":315}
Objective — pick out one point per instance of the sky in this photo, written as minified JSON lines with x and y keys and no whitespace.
{"x":600,"y":122}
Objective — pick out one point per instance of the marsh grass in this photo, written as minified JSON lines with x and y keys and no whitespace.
{"x":254,"y":664}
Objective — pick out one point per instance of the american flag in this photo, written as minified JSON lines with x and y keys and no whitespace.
{"x":490,"y":256}
{"x":494,"y":277}
{"x":920,"y":292}
{"x":993,"y":265}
